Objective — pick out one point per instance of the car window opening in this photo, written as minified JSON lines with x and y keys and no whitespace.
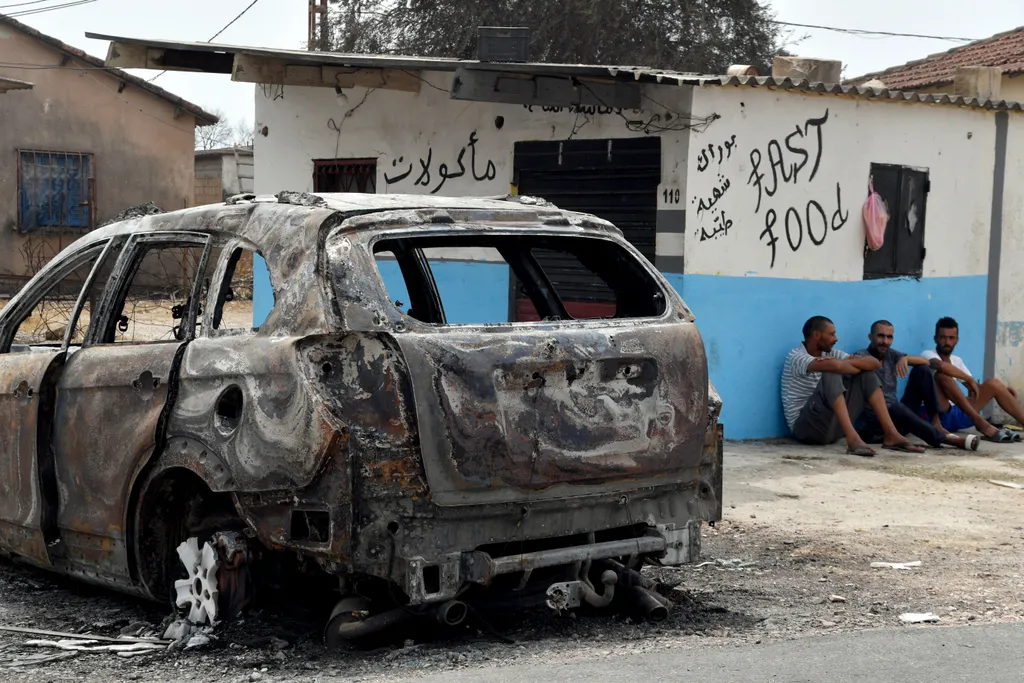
{"x":494,"y":279}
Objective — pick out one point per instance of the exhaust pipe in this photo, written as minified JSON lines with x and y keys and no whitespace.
{"x":452,"y":613}
{"x":344,"y":629}
{"x":609,"y":579}
{"x":651,"y":605}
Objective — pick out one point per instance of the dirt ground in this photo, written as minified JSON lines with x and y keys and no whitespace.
{"x":149,"y":320}
{"x":792,"y":558}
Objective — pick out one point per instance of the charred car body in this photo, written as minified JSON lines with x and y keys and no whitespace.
{"x":423,"y":462}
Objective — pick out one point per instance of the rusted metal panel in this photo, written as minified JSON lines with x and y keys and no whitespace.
{"x":547,"y":413}
{"x":109,"y":402}
{"x":22,"y":397}
{"x":280,"y":433}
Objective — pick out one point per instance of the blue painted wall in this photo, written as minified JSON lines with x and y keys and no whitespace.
{"x":262,"y":292}
{"x":749,"y":324}
{"x":472,"y":293}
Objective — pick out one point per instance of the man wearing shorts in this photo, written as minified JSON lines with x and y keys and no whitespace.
{"x":955,"y":410}
{"x":825,"y":390}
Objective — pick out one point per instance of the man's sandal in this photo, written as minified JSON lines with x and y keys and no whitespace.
{"x":1002,"y":436}
{"x":862,"y":451}
{"x":904,"y":447}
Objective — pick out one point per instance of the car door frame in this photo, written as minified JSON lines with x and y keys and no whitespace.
{"x":28,"y":519}
{"x":96,"y":480}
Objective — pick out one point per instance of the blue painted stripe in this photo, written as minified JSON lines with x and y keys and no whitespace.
{"x":749,"y":324}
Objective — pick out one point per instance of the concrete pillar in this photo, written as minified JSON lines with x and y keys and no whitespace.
{"x":808,"y":68}
{"x":982,"y":82}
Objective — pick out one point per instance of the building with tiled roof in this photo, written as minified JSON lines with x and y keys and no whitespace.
{"x":80,"y":142}
{"x":935,"y":72}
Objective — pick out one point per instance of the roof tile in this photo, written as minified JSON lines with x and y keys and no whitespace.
{"x":1005,"y":50}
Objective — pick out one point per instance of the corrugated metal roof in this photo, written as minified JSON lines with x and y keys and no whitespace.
{"x":1005,"y":50}
{"x":203,"y":117}
{"x":224,"y":151}
{"x":218,"y":60}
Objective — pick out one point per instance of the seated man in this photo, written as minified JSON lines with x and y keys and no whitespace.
{"x":951,"y":409}
{"x":906,"y":418}
{"x":824,"y":390}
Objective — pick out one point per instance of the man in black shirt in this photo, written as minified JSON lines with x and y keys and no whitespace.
{"x":897,"y":364}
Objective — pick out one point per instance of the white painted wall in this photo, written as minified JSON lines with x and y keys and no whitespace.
{"x":418,"y":137}
{"x":1009,"y":352}
{"x":408,"y":133}
{"x":955,"y":145}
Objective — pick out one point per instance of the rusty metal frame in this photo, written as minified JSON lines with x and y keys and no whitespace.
{"x":50,"y":276}
{"x":84,"y":293}
{"x":124,"y":271}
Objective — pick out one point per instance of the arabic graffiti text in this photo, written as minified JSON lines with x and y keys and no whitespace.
{"x":435,"y":178}
{"x":714,"y":152}
{"x":708,"y":209}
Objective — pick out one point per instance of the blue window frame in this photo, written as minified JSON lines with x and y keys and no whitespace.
{"x":53,"y":190}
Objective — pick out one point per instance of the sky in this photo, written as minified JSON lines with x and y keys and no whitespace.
{"x":283,"y":24}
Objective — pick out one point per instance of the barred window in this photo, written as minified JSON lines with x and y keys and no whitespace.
{"x":345,"y":175}
{"x":54,"y":190}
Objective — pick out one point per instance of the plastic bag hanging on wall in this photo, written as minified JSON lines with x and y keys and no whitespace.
{"x":876,"y":217}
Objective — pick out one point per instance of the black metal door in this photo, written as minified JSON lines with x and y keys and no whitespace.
{"x":905,"y":191}
{"x":614,"y":179}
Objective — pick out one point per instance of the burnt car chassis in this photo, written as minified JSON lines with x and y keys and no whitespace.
{"x":346,"y":439}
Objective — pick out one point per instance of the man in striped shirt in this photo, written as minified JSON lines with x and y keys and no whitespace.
{"x":825,"y":390}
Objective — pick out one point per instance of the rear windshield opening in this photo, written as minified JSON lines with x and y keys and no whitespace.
{"x":466,"y":280}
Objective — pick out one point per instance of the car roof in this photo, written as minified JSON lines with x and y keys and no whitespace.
{"x":286,"y":228}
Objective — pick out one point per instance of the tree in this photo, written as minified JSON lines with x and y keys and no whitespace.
{"x":702,"y":36}
{"x":224,"y":133}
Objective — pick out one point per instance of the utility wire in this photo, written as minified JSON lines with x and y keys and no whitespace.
{"x":22,"y":4}
{"x":214,"y":37}
{"x":864,"y":32}
{"x":51,"y":8}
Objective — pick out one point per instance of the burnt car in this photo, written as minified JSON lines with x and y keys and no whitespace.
{"x":163,"y":439}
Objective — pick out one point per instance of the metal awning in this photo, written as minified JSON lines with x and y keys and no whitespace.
{"x":515,"y":83}
{"x":13,"y":84}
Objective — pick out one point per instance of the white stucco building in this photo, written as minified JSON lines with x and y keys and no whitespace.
{"x":746,"y":192}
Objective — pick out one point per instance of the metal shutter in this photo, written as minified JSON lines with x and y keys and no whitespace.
{"x":614,"y":179}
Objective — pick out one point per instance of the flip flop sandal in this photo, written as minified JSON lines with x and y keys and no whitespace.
{"x":905,"y":447}
{"x":862,"y":451}
{"x":971,"y":442}
{"x":1002,"y":436}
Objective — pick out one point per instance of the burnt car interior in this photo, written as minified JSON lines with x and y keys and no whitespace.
{"x":612,"y":270}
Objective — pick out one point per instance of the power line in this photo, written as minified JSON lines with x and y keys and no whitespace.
{"x":51,"y":8}
{"x":22,"y":4}
{"x":240,"y":14}
{"x":864,"y":32}
{"x":214,"y":37}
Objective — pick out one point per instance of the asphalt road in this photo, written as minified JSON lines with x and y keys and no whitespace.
{"x":929,"y":654}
